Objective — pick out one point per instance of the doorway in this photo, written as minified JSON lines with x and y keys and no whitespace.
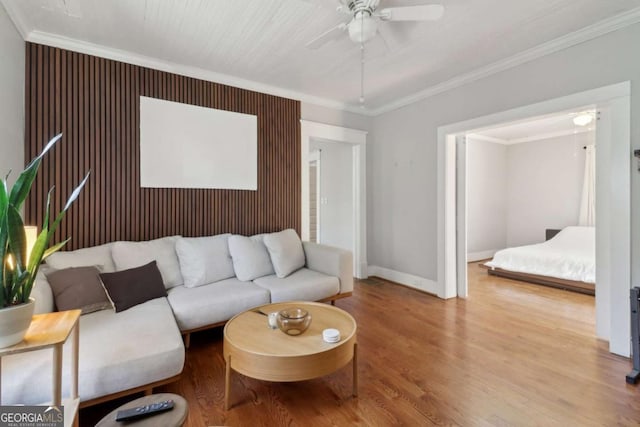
{"x":331,"y":207}
{"x":353,"y":140}
{"x":613,"y":207}
{"x":530,"y":201}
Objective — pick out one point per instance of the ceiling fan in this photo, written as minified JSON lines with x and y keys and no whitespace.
{"x":366,"y":17}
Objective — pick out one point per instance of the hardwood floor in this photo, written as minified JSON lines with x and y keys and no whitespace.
{"x":511,"y":354}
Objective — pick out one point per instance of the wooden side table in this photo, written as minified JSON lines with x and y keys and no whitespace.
{"x":51,"y":330}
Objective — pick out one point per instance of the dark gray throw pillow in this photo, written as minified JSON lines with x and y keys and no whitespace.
{"x":78,"y":288}
{"x":134,"y":286}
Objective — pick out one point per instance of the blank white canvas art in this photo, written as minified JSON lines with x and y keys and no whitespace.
{"x":186,"y":146}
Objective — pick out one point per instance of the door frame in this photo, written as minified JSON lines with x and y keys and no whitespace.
{"x":315,"y":156}
{"x":613,"y":274}
{"x":358,"y":140}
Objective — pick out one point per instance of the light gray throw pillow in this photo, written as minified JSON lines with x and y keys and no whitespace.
{"x":250,"y":257}
{"x":285,"y":250}
{"x":204,"y":260}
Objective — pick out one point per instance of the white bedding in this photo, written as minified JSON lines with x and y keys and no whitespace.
{"x":570,"y":255}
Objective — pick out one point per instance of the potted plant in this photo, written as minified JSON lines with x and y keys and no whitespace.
{"x":17,"y":273}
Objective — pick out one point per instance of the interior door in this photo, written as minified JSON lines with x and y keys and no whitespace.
{"x":461,"y":216}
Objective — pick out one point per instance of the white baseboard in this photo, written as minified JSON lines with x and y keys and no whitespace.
{"x":477,"y":256}
{"x":406,"y":279}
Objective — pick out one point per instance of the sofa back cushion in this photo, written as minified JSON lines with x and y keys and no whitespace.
{"x":204,"y":260}
{"x":98,"y":256}
{"x":127,"y":255}
{"x":285,"y":250}
{"x":250,"y":257}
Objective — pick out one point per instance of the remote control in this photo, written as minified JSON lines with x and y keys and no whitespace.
{"x":144,"y":411}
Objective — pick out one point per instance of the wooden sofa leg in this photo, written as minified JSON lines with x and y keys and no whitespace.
{"x":148,"y":391}
{"x":333,"y":302}
{"x":187,"y":340}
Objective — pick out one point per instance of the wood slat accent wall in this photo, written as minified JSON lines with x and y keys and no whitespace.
{"x":94,"y":102}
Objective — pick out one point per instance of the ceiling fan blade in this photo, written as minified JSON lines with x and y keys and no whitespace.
{"x":427,"y":12}
{"x":327,"y":36}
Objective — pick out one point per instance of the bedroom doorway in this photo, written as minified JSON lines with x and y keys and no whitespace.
{"x":530,"y":199}
{"x":613,"y":206}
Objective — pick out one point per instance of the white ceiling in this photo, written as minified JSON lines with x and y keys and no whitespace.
{"x":536,"y":128}
{"x":260,"y":44}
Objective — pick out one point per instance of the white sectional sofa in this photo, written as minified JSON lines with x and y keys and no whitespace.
{"x":142,"y":347}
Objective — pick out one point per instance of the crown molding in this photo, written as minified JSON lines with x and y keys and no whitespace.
{"x":580,"y":36}
{"x":80,"y":46}
{"x":587,"y":33}
{"x":14,"y":14}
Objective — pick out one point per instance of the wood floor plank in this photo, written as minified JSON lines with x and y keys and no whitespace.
{"x":511,"y":354}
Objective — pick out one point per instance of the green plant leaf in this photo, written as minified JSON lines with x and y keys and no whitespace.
{"x":4,"y":199}
{"x":47,"y":212}
{"x":42,"y":241}
{"x":3,"y":253}
{"x":54,"y":248}
{"x":23,"y":184}
{"x":17,"y":238}
{"x":74,"y":195}
{"x":37,"y":255}
{"x":72,"y":198}
{"x":46,"y":148}
{"x":39,"y":247}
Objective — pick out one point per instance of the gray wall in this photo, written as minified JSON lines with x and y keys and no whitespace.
{"x":12,"y":48}
{"x":336,"y":193}
{"x":544,"y":186}
{"x":515,"y":192}
{"x":334,"y":117}
{"x":486,"y":198}
{"x":402,"y":190}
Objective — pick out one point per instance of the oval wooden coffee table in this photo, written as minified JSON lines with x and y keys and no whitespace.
{"x":257,"y":351}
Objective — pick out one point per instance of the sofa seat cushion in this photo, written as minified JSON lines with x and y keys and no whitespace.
{"x":118,"y":351}
{"x":304,"y":285}
{"x":215,"y":302}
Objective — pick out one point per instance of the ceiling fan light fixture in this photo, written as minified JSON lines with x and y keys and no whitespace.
{"x":583,"y":119}
{"x":362,"y":28}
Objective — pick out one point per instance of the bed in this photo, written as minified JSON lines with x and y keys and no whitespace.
{"x":566,"y":261}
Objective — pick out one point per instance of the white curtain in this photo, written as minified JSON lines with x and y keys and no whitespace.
{"x":588,"y":203}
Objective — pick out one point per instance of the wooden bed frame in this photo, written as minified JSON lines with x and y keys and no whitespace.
{"x":570,"y":285}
